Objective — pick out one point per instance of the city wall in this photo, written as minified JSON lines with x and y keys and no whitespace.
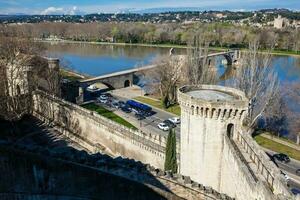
{"x":245,"y":170}
{"x":94,"y":130}
{"x":218,"y":151}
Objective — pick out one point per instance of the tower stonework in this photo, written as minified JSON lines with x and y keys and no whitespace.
{"x":209,"y":113}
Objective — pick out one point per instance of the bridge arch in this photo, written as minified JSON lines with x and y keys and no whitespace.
{"x":127,"y":83}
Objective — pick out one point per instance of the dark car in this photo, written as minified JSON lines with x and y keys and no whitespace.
{"x":108,"y":95}
{"x":281,"y":157}
{"x":122,"y":104}
{"x":139,"y":116}
{"x":169,"y":123}
{"x":125,"y":109}
{"x":298,"y":172}
{"x":295,"y":191}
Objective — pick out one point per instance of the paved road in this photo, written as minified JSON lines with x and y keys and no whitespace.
{"x":150,"y":123}
{"x":290,"y":169}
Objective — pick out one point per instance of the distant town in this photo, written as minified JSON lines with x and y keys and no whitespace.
{"x":278,"y":18}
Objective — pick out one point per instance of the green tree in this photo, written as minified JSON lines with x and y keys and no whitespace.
{"x":170,"y":157}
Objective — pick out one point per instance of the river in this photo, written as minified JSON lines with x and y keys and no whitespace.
{"x":95,"y":60}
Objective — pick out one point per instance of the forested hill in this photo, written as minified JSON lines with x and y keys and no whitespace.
{"x":261,"y":16}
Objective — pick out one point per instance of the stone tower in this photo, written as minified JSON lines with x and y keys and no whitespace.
{"x":208,"y":114}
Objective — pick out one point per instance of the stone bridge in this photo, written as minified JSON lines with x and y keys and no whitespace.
{"x":116,"y":80}
{"x":231,"y":56}
{"x":124,"y":78}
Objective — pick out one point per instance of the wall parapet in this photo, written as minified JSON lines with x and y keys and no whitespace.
{"x":265,"y":168}
{"x":153,"y":141}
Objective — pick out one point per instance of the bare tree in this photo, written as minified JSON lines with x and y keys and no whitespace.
{"x":16,"y":56}
{"x":292,"y":94}
{"x":258,"y":80}
{"x":166,"y":77}
{"x":197,"y":68}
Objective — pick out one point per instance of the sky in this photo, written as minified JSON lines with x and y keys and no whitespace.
{"x":113,"y":6}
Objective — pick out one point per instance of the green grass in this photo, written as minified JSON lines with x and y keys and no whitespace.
{"x":274,"y":146}
{"x":108,"y":114}
{"x":175,"y":109}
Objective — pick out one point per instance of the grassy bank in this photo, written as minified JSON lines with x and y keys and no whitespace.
{"x":275,"y":146}
{"x":108,"y":114}
{"x":175,"y":109}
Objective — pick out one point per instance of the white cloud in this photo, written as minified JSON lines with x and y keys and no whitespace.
{"x":60,"y":11}
{"x":73,"y":11}
{"x":53,"y":11}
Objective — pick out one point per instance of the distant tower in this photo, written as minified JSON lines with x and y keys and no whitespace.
{"x":208,"y":114}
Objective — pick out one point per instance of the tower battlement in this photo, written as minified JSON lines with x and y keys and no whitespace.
{"x":215,"y":102}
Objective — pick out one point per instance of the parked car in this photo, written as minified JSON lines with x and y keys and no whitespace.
{"x":298,"y":172}
{"x":115,"y":104}
{"x":295,"y":191}
{"x":101,"y":100}
{"x":175,"y":120}
{"x":108,"y":95}
{"x":103,"y":97}
{"x":122,"y":104}
{"x":125,"y":109}
{"x":136,"y":111}
{"x":286,"y":177}
{"x":139,"y":116}
{"x":281,"y":157}
{"x":163,"y":126}
{"x":169,"y":123}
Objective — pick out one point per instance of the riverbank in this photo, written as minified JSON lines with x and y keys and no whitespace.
{"x":274,"y":52}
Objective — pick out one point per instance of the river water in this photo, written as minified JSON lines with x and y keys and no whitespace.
{"x":95,"y":60}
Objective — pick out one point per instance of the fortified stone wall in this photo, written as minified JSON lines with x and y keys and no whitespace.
{"x":40,"y":177}
{"x":246,"y":167}
{"x":94,"y":130}
{"x":219,"y":152}
{"x":40,"y":173}
{"x":203,"y":128}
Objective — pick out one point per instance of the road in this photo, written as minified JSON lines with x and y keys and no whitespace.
{"x":149,"y":124}
{"x":289,"y":169}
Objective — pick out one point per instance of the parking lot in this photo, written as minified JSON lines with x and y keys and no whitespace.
{"x":147,"y":121}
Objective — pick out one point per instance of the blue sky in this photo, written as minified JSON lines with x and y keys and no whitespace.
{"x":95,"y":6}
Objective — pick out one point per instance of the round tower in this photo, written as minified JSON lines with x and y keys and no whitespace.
{"x":208,"y":114}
